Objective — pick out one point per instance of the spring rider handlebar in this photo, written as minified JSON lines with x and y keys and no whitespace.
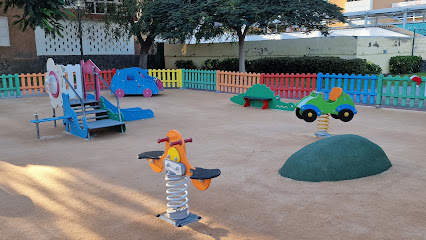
{"x":178,"y":169}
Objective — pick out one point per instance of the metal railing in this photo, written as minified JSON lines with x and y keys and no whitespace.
{"x":75,"y":92}
{"x":116,"y":97}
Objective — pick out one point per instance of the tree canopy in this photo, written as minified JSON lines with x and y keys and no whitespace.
{"x":239,"y":16}
{"x":178,"y":20}
{"x":148,"y":19}
{"x":45,"y":14}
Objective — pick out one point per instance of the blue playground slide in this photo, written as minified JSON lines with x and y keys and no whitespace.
{"x":129,"y":114}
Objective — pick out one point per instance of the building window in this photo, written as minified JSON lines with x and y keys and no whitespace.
{"x":4,"y":32}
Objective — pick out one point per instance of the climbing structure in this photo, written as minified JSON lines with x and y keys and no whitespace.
{"x":178,"y":169}
{"x":81,"y":114}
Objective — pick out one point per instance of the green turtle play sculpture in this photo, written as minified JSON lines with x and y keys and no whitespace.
{"x":259,"y":95}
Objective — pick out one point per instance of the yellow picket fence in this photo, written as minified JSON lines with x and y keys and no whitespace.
{"x":235,"y":82}
{"x":171,"y":78}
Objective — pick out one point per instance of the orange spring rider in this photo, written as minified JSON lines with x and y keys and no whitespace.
{"x":178,"y":169}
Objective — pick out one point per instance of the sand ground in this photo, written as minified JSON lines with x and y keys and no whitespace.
{"x":65,"y":187}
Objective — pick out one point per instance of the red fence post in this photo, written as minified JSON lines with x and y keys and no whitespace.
{"x":262,"y":78}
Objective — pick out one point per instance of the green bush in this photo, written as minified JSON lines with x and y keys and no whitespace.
{"x":296,"y":65}
{"x":404,"y":64}
{"x":186,"y":64}
{"x":210,"y":64}
{"x":374,"y":68}
{"x":312,"y":65}
{"x":229,"y":64}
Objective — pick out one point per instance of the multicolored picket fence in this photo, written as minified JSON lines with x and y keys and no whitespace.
{"x":199,"y":79}
{"x":235,"y":82}
{"x":106,"y":75}
{"x":360,"y":88}
{"x":171,"y":78}
{"x":400,"y":91}
{"x":32,"y":84}
{"x":379,"y":90}
{"x":290,"y":85}
{"x":9,"y":85}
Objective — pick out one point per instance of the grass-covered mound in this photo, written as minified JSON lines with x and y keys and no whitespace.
{"x":336,"y":158}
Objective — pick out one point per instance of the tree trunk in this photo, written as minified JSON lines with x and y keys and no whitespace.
{"x":241,"y":55}
{"x":143,"y":59}
{"x":143,"y":53}
{"x":241,"y":37}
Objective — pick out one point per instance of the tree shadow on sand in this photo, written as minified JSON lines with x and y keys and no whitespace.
{"x":216,"y":233}
{"x":23,"y":205}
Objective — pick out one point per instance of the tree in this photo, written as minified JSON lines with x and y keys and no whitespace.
{"x":238,"y":16}
{"x":45,"y":14}
{"x":148,"y":19}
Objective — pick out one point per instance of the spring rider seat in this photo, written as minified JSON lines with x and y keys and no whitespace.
{"x":178,"y":169}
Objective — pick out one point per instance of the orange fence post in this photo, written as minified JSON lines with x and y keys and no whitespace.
{"x":23,"y":84}
{"x":32,"y":83}
{"x":236,"y":82}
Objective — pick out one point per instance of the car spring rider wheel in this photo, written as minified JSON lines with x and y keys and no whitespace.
{"x":346,"y":115}
{"x":309,"y":115}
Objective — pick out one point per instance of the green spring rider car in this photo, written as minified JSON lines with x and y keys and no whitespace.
{"x":339,"y":106}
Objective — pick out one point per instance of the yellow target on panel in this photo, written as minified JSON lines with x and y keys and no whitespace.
{"x":173,"y":154}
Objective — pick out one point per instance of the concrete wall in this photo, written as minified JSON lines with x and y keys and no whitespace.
{"x":380,"y":49}
{"x":375,"y":49}
{"x":344,"y":47}
{"x":94,"y":41}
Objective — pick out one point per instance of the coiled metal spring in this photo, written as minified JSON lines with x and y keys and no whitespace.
{"x":323,"y":124}
{"x":177,"y":207}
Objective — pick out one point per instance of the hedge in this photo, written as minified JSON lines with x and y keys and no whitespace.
{"x":313,"y":65}
{"x":296,"y":65}
{"x":404,"y":64}
{"x":185,"y":64}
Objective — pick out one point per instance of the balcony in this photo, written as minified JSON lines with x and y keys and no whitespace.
{"x":410,"y":3}
{"x":356,"y":6}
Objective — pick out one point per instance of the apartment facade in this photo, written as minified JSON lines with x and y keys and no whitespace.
{"x":26,"y":52}
{"x":365,"y":5}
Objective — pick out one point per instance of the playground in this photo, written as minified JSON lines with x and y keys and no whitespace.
{"x":65,"y":187}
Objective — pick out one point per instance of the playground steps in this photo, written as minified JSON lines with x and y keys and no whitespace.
{"x":95,"y":111}
{"x":95,"y":116}
{"x":103,"y":123}
{"x":76,"y":102}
